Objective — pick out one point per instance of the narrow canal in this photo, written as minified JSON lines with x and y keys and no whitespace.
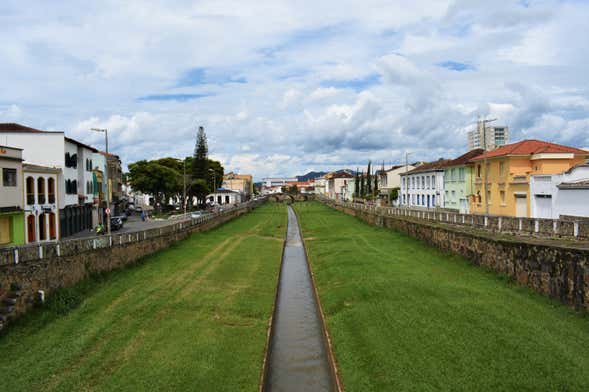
{"x":297,"y":357}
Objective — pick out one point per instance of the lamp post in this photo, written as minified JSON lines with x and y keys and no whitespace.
{"x":105,"y":131}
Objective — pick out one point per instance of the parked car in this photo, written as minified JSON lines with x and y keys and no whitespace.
{"x":196,"y":214}
{"x":116,"y":223}
{"x":123,"y":216}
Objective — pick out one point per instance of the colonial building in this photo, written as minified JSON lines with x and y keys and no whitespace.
{"x":54,"y":149}
{"x":224,"y":196}
{"x":11,"y":197}
{"x":390,"y":179}
{"x":239,"y":182}
{"x":114,"y":185}
{"x":458,"y":182}
{"x":561,"y":195}
{"x":424,"y":185}
{"x":337,"y":183}
{"x":41,"y":202}
{"x":502,"y":176}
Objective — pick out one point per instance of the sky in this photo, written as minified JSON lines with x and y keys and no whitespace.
{"x":285,"y":87}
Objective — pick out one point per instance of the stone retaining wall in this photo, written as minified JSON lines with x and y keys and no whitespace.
{"x":26,"y":270}
{"x":558,"y":271}
{"x":571,"y":227}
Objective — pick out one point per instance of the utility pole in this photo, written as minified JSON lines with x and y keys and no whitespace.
{"x":483,"y":123}
{"x":407,"y":179}
{"x":105,"y":131}
{"x":184,"y":196}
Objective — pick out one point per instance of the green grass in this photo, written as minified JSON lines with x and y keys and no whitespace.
{"x":405,"y":316}
{"x":190,"y":318}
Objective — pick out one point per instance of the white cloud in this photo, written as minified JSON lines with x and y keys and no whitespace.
{"x":310,"y":98}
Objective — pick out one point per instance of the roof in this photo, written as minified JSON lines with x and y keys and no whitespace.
{"x":582,"y":184}
{"x":530,"y":147}
{"x":14,"y":127}
{"x":465,"y":158}
{"x":40,"y":168}
{"x":80,"y":144}
{"x":394,"y":167}
{"x":12,"y":148}
{"x":338,"y":174}
{"x":576,"y":167}
{"x":109,"y":155}
{"x":430,"y":166}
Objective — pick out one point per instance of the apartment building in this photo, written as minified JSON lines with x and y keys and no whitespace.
{"x":239,"y":182}
{"x":488,"y":137}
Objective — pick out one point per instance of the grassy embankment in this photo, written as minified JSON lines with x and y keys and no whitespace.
{"x":405,"y":316}
{"x":190,"y":318}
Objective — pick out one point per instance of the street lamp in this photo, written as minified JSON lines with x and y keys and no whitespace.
{"x":105,"y":131}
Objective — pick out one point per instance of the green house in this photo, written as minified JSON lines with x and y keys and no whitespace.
{"x":458,"y":182}
{"x":12,"y":219}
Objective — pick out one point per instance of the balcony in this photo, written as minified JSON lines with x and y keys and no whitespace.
{"x":519,"y":179}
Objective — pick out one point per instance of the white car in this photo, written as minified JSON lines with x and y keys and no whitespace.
{"x":196,"y":214}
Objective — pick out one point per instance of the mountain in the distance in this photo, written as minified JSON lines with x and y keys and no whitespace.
{"x":310,"y":176}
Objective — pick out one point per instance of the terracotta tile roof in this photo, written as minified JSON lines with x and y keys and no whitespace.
{"x":465,"y":158}
{"x":429,"y":166}
{"x":14,"y":127}
{"x":529,"y":147}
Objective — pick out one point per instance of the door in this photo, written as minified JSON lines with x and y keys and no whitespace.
{"x":463,"y":206}
{"x":543,"y":206}
{"x":31,"y":228}
{"x":521,"y":207}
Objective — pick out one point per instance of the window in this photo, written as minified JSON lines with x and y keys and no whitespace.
{"x":502,"y":195}
{"x":51,"y":190}
{"x":433,"y":181}
{"x":501,"y":169}
{"x":41,"y":190}
{"x":479,"y":171}
{"x":461,"y":174}
{"x":489,"y":197}
{"x":30,"y":190}
{"x":8,"y":177}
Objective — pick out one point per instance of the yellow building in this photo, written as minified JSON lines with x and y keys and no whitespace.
{"x":239,"y":182}
{"x":502,"y":176}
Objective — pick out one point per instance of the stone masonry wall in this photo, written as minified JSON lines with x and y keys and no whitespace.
{"x":65,"y":263}
{"x":557,"y":271}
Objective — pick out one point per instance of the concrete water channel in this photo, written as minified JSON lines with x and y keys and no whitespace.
{"x":298,"y":357}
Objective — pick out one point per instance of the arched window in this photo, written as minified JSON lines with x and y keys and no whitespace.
{"x":30,"y":190}
{"x":74,"y":187}
{"x":51,"y":190}
{"x":41,"y":190}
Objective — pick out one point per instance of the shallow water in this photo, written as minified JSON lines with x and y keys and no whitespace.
{"x":297,"y":357}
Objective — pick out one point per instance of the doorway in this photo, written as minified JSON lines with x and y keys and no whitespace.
{"x":521,"y":206}
{"x":31,"y":237}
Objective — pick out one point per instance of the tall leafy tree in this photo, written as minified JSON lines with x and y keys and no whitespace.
{"x":153,"y":178}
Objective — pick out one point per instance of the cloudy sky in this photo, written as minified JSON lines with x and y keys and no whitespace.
{"x":283,"y":87}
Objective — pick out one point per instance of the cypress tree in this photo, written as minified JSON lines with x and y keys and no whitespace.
{"x":376,"y":183}
{"x":200,"y":166}
{"x":368,"y":180}
{"x":357,"y":185}
{"x":362,"y":184}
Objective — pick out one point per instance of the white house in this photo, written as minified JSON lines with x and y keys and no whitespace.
{"x":424,"y":185}
{"x":555,"y":195}
{"x":41,"y":197}
{"x":74,"y":159}
{"x":224,"y":196}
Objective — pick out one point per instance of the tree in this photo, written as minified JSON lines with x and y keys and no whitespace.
{"x":357,"y":184}
{"x":153,"y":178}
{"x":368,"y":180}
{"x":216,"y":173}
{"x":200,"y":166}
{"x":376,"y":183}
{"x":362,"y":188}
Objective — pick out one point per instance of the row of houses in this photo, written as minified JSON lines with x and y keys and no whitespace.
{"x":52,"y":186}
{"x":530,"y":178}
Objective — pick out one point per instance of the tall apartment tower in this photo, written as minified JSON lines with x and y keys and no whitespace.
{"x":488,"y":137}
